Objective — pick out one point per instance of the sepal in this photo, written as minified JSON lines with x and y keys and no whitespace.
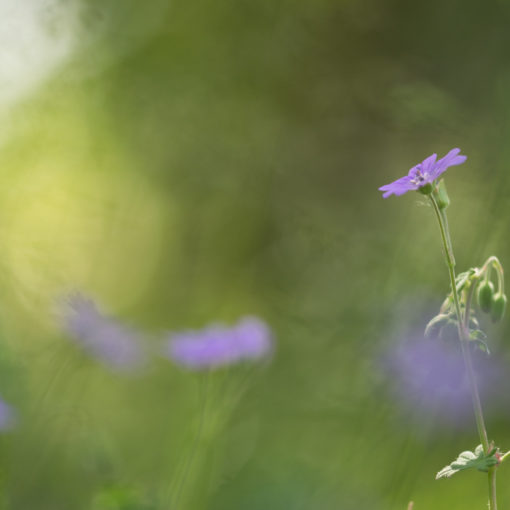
{"x":442,"y":198}
{"x":426,"y":189}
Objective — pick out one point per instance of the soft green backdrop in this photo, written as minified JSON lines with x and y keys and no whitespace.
{"x":195,"y":161}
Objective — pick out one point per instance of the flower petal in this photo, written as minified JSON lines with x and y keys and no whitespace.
{"x":451,"y":159}
{"x":428,"y":163}
{"x":398,"y":187}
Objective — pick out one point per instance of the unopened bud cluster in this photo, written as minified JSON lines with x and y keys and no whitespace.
{"x":490,"y":297}
{"x":490,"y":300}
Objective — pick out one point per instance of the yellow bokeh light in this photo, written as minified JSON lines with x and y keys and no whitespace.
{"x":61,"y":230}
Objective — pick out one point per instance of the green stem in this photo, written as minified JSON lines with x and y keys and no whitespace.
{"x":499,"y":270}
{"x":493,"y":505}
{"x":493,"y":262}
{"x":464,"y":339}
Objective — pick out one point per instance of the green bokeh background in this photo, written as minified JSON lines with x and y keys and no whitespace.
{"x":199,"y":161}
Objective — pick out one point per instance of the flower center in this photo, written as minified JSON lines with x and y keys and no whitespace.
{"x":420,"y":179}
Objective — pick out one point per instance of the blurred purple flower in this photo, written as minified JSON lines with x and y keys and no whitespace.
{"x":7,"y":416}
{"x":428,"y":376}
{"x":102,"y":337}
{"x":423,"y":173}
{"x":217,"y":345}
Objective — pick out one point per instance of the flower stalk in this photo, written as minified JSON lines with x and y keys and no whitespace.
{"x":463,"y":332}
{"x":425,"y":177}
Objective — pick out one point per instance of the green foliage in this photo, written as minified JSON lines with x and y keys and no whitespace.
{"x":463,"y":279}
{"x":468,"y":459}
{"x":479,"y":337}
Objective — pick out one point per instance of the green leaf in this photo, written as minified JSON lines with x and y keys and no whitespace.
{"x":478,"y":337}
{"x":462,"y":279}
{"x":477,"y":334}
{"x":467,"y":460}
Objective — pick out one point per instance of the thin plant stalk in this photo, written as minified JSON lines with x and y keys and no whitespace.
{"x":198,"y":437}
{"x":464,"y":339}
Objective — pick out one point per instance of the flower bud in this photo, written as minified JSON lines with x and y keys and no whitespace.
{"x":498,"y":306}
{"x":443,"y":201}
{"x":449,"y":332}
{"x":484,"y":296}
{"x":434,"y":326}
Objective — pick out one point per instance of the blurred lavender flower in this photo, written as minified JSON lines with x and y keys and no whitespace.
{"x":423,"y":173}
{"x":102,"y":337}
{"x":7,"y":416}
{"x":429,"y":379}
{"x":428,"y":376}
{"x":217,"y":345}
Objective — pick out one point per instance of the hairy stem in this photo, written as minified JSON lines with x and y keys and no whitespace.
{"x":466,"y":354}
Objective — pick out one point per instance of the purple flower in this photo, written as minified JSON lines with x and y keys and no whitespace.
{"x":217,"y":345}
{"x":102,"y":337}
{"x":424,"y":173}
